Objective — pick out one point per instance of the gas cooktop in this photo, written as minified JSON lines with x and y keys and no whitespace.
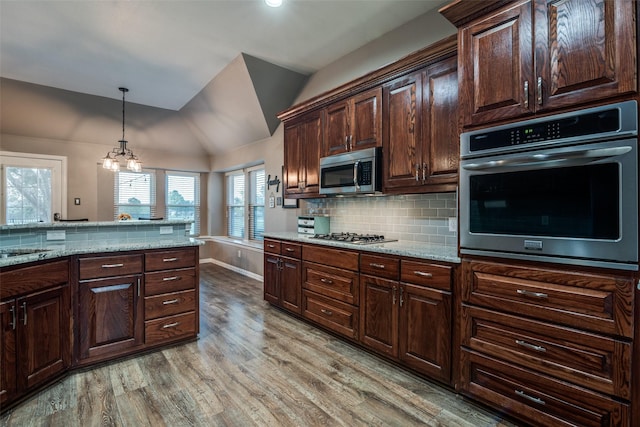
{"x":356,"y":239}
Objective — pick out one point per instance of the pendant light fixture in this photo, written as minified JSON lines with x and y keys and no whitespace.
{"x":111,"y":161}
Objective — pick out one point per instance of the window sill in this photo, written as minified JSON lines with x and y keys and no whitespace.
{"x":251,"y":244}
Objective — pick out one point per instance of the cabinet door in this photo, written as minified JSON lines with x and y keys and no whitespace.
{"x":425,"y":330}
{"x":291,"y":284}
{"x":111,"y":316}
{"x":272,"y":279}
{"x":402,"y":132}
{"x":8,"y":368}
{"x":292,"y":160}
{"x":379,"y":314}
{"x":441,"y":130}
{"x":366,"y":120}
{"x":44,"y":348}
{"x":311,"y":143}
{"x":337,"y":117}
{"x":585,"y":51}
{"x":496,"y":66}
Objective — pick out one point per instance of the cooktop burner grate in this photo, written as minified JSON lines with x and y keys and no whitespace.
{"x":355,"y":238}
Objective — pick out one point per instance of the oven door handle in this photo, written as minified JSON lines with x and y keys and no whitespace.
{"x":551,"y":159}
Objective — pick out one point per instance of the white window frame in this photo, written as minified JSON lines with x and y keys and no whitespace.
{"x":195,"y":226}
{"x":58,"y":167}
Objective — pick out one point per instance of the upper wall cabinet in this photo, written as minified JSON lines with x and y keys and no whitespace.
{"x":539,"y":55}
{"x":420,"y":132}
{"x":354,"y":123}
{"x":302,"y":141}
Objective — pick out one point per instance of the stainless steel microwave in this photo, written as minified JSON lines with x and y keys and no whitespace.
{"x":355,"y":172}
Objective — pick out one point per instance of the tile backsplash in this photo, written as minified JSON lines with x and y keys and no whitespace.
{"x":415,"y":217}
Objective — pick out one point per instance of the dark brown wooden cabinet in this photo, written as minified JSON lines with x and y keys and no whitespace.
{"x":540,"y":55}
{"x":35,"y":326}
{"x":111,"y":306}
{"x":354,"y":123}
{"x":283,"y":274}
{"x":406,"y":313}
{"x":420,"y":130}
{"x":548,"y":345}
{"x":302,"y":143}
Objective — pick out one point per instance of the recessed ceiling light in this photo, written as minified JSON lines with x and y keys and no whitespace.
{"x":273,"y":3}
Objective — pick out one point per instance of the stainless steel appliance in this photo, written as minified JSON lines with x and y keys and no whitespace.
{"x":357,"y":239}
{"x":356,"y":172}
{"x":562,"y":188}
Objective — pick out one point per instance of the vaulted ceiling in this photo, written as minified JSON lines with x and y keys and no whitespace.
{"x":209,"y":75}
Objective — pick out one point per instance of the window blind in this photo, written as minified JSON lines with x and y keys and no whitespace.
{"x":135,"y":194}
{"x":235,"y":205}
{"x":183,"y":198}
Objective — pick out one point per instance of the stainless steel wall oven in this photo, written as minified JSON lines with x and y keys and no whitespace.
{"x":561,"y":188}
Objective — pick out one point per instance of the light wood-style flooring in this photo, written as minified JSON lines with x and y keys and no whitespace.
{"x":252,"y":366}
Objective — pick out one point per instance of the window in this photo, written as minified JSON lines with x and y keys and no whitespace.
{"x":183,"y":198}
{"x":135,"y":194}
{"x":235,"y":205}
{"x":245,"y":203}
{"x":256,"y":207}
{"x":33,"y":187}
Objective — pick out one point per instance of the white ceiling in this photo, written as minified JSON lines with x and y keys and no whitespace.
{"x":166,"y":52}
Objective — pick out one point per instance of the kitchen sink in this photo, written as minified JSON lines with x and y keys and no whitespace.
{"x":11,"y":252}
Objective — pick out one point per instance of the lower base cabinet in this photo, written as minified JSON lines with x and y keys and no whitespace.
{"x":548,"y":346}
{"x":35,"y":333}
{"x":106,"y":310}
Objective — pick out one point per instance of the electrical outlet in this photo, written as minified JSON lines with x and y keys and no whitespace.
{"x":167,"y":229}
{"x":239,"y":253}
{"x":56,"y":235}
{"x":453,"y":223}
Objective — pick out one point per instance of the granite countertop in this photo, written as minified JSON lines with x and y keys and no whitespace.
{"x":89,"y":224}
{"x":52,"y":250}
{"x":429,"y":251}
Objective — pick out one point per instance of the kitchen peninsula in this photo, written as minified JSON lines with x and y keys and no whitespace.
{"x":77,"y":293}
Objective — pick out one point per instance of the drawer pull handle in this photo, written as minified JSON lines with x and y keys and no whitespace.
{"x":169,"y":259}
{"x":289,"y":249}
{"x":531,"y":346}
{"x":171,"y":325}
{"x":112,"y":265}
{"x":531,"y":398}
{"x":327,"y":312}
{"x":526,"y":293}
{"x":374,"y":265}
{"x":171,"y":301}
{"x":327,"y":281}
{"x":423,"y":274}
{"x":168,"y":279}
{"x":271,"y":246}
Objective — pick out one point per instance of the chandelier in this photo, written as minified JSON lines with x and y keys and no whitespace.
{"x":111,"y":161}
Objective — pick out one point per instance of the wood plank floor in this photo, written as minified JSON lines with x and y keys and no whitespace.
{"x":252,"y":366}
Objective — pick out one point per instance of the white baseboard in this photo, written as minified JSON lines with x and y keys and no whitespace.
{"x":233,"y":268}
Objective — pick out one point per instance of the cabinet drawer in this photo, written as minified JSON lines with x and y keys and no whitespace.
{"x":31,"y":279}
{"x":340,"y":284}
{"x":162,"y":282}
{"x":170,"y":328}
{"x":380,"y":266}
{"x":422,"y":273}
{"x":165,"y":260}
{"x":592,"y":361}
{"x":332,"y":257}
{"x":537,"y":399}
{"x":332,"y":314}
{"x":109,"y":266}
{"x":272,"y":246}
{"x":587,"y":301}
{"x":293,"y":250}
{"x":168,"y":304}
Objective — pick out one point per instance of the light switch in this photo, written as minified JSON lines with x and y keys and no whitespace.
{"x":76,"y":201}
